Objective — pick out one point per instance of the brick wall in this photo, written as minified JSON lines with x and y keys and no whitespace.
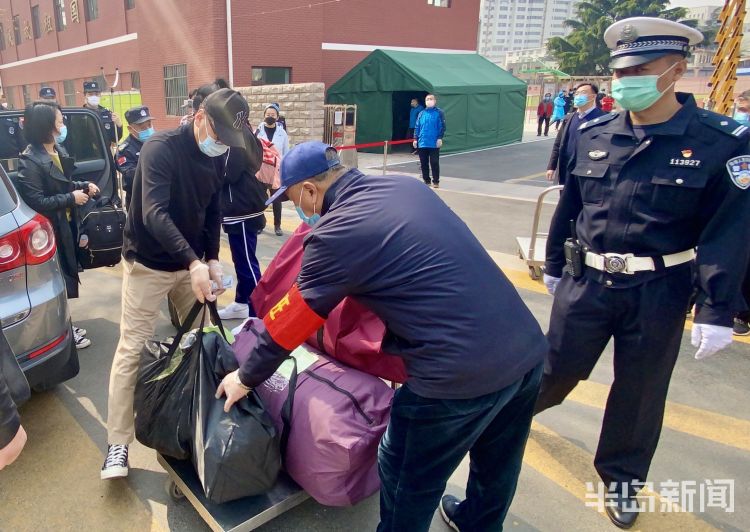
{"x":301,"y":105}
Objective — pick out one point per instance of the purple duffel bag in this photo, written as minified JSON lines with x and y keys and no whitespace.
{"x":338,"y":415}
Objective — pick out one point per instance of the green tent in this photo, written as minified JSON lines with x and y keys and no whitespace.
{"x":484,"y":105}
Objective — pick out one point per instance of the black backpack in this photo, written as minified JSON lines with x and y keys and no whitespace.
{"x":101,"y":232}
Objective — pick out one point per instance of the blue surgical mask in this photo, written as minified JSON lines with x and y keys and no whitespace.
{"x":144,"y":135}
{"x":580,"y":100}
{"x":211,"y":147}
{"x":60,"y":137}
{"x":309,"y":220}
{"x":742,"y":117}
{"x":638,"y":93}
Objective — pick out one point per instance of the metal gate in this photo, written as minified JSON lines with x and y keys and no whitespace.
{"x":340,"y":129}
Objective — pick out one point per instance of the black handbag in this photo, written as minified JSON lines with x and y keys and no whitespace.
{"x":101,"y":230}
{"x":11,"y":372}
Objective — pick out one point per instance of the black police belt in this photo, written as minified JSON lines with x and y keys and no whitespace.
{"x":630,"y":264}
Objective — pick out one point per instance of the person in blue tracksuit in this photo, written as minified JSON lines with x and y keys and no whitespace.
{"x":428,"y":139}
{"x":473,"y":371}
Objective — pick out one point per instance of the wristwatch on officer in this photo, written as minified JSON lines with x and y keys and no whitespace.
{"x":238,"y":381}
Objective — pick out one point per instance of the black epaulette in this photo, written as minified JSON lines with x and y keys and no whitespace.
{"x":722,"y":123}
{"x":598,"y":120}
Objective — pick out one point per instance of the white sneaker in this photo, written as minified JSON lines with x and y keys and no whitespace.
{"x":116,"y":462}
{"x":81,"y":341}
{"x":78,"y":331}
{"x":235,"y":311}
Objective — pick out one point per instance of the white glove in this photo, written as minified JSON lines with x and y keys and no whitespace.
{"x":551,"y":283}
{"x":709,"y":339}
{"x":201,"y":282}
{"x":216,"y":273}
{"x":439,"y":143}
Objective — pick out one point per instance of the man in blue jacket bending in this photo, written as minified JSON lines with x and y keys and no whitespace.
{"x":428,"y":139}
{"x":472,"y":350}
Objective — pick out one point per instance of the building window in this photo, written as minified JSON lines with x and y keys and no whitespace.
{"x":69,"y":90}
{"x":36,"y":24}
{"x":26,"y":95}
{"x":135,"y":80}
{"x":17,"y":29}
{"x":271,"y":75}
{"x":92,"y":10}
{"x":60,"y":20}
{"x":10,"y":94}
{"x":175,"y":88}
{"x":2,"y":37}
{"x":129,"y":4}
{"x":439,"y":3}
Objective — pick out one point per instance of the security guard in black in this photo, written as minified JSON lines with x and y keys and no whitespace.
{"x":644,"y":193}
{"x":108,"y":119}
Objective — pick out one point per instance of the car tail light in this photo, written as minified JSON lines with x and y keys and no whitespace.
{"x":32,"y":243}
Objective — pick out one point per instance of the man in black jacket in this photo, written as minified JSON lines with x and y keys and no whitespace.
{"x":585,"y":109}
{"x":12,"y":434}
{"x":171,"y":245}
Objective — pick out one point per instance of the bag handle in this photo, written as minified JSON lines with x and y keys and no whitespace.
{"x":214,"y":313}
{"x":185,"y":327}
{"x":287,"y":409}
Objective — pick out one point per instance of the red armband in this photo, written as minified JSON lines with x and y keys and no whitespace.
{"x":291,"y":321}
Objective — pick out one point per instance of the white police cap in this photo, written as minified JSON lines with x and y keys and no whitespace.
{"x":638,"y":40}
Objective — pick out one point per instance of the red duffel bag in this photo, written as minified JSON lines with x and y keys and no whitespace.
{"x":352,"y":333}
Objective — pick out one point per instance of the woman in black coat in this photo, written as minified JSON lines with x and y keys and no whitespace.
{"x":44,"y":184}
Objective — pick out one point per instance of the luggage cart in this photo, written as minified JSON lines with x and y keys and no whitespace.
{"x":532,"y":250}
{"x":241,"y":515}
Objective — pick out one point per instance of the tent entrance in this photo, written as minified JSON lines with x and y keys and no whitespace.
{"x":401,"y":107}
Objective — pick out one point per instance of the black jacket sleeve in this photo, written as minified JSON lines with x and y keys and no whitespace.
{"x":212,"y":232}
{"x":30,"y":187}
{"x":554,"y":157}
{"x":568,"y":208}
{"x":721,"y":262}
{"x":126,"y":164}
{"x":10,"y":422}
{"x":156,"y":176}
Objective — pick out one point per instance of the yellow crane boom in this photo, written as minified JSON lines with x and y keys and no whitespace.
{"x":727,"y":56}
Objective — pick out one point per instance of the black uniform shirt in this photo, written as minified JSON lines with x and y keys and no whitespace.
{"x":111,"y":132}
{"x":127,"y":160}
{"x":681,"y":185}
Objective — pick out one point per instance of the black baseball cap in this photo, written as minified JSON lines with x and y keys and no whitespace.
{"x":47,"y":92}
{"x":138,"y":115}
{"x":229,"y":112}
{"x":91,"y":86}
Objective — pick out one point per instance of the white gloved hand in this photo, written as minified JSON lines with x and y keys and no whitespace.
{"x":201,"y":282}
{"x":709,"y":339}
{"x":439,"y":143}
{"x":551,"y":283}
{"x":216,"y":273}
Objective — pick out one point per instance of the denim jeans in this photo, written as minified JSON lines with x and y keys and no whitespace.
{"x":426,"y":440}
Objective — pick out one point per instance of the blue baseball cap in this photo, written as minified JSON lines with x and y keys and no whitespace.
{"x":304,"y":161}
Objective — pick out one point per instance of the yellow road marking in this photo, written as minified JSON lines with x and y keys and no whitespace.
{"x":710,"y":426}
{"x":55,"y":483}
{"x":570,"y":467}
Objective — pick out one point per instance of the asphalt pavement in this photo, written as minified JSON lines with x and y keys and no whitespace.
{"x":706,"y":438}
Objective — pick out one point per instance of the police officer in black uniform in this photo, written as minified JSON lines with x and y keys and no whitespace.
{"x":111,"y":123}
{"x":12,"y":141}
{"x":140,"y":129}
{"x":48,"y":94}
{"x":646,"y":187}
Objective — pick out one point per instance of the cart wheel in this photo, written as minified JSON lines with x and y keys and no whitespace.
{"x":534,"y":273}
{"x":174,"y":492}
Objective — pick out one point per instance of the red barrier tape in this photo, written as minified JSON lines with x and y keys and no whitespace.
{"x":374,"y":144}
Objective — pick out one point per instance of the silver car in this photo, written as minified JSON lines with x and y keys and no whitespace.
{"x":33,"y":304}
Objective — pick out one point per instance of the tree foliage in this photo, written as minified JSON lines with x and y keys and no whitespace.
{"x":583,"y":51}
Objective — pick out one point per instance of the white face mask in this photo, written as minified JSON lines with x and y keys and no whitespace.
{"x":92,"y":100}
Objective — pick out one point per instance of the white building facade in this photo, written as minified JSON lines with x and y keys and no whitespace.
{"x":521,"y":25}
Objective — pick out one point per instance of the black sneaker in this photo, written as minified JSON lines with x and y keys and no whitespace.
{"x":116,"y":462}
{"x":278,"y":231}
{"x":740,"y":328}
{"x":448,"y":506}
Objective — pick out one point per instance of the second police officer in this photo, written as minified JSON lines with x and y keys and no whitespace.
{"x":140,"y":128}
{"x":111,"y":123}
{"x":646,"y":187}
